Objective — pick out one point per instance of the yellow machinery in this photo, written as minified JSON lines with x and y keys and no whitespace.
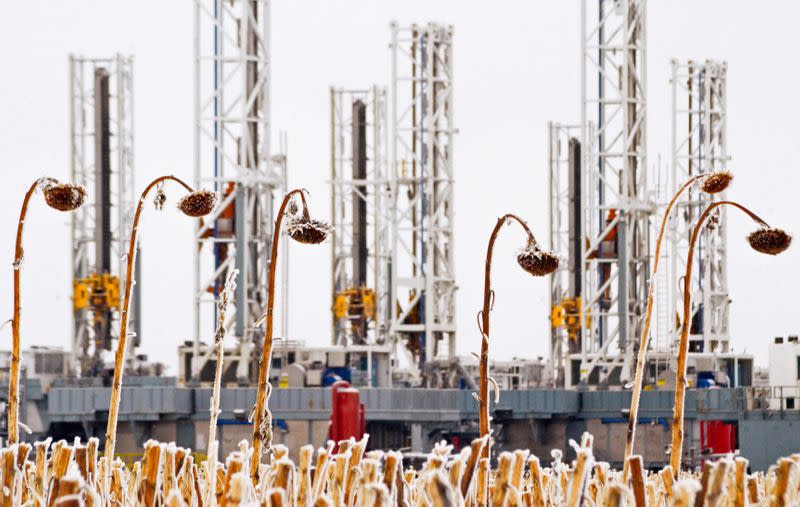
{"x":99,"y":291}
{"x":568,"y":315}
{"x":354,"y":302}
{"x":356,"y":306}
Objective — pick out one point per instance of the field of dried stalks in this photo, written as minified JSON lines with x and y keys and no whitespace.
{"x":346,"y":474}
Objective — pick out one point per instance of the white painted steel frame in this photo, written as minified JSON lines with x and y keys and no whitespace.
{"x":558,"y":136}
{"x":82,"y":171}
{"x":613,"y":119}
{"x":422,"y":187}
{"x":375,"y":194}
{"x":699,"y":145}
{"x":232,"y":147}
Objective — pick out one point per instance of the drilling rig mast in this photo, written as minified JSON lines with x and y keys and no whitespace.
{"x":422,"y":286}
{"x":360,"y":213}
{"x":101,"y":132}
{"x":615,"y":206}
{"x":564,"y":197}
{"x":699,"y":145}
{"x":232,"y":156}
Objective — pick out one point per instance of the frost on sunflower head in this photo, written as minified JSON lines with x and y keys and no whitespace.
{"x":305,"y":229}
{"x":198,"y":203}
{"x":536,"y":261}
{"x":769,"y":240}
{"x":63,"y":196}
{"x":716,"y":182}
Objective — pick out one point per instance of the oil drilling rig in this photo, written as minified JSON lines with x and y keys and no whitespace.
{"x":101,"y":133}
{"x":699,"y":145}
{"x":601,"y":210}
{"x":392,"y":257}
{"x":233,"y":155}
{"x":360,"y":197}
{"x":603,"y":200}
{"x":422,"y":130}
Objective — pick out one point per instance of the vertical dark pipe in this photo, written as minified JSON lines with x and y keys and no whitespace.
{"x":359,"y":252}
{"x":102,"y":197}
{"x":575,"y":233}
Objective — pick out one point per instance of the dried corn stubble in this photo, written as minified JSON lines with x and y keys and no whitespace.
{"x":379,"y":480}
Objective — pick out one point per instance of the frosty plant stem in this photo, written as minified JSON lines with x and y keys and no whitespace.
{"x":304,"y":230}
{"x":713,"y":183}
{"x":219,"y":342}
{"x":536,"y":262}
{"x":60,"y":196}
{"x":195,"y":204}
{"x":765,"y":240}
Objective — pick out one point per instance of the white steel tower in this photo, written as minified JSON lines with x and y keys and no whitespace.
{"x":360,"y":199}
{"x":101,"y":135}
{"x":615,"y":206}
{"x":564,"y":179}
{"x":699,"y":145}
{"x":232,"y":155}
{"x":422,"y":281}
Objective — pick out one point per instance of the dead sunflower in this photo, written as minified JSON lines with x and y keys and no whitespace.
{"x":64,"y":196}
{"x":536,"y":261}
{"x":198,"y":203}
{"x":769,"y":240}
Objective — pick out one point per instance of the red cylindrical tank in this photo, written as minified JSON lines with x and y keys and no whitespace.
{"x":720,"y":437}
{"x":347,"y":417}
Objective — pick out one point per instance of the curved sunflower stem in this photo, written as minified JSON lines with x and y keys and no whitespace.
{"x":683,"y":345}
{"x":483,"y":401}
{"x":13,"y":382}
{"x":638,"y":382}
{"x":14,"y":373}
{"x":122,"y":344}
{"x":262,"y":418}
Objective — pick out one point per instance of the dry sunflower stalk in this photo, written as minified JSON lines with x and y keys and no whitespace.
{"x":304,"y":230}
{"x":765,"y":240}
{"x":195,"y":204}
{"x":710,"y":183}
{"x":59,"y":196}
{"x":536,"y":262}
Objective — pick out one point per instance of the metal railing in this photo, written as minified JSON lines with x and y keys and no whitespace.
{"x":780,"y":398}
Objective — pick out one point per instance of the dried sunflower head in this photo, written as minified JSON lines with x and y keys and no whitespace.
{"x":716,"y":182}
{"x":769,"y":240}
{"x":64,"y":196}
{"x":307,"y":230}
{"x":199,"y":203}
{"x":537,"y":261}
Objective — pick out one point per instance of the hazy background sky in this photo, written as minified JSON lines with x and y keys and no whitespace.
{"x":516,"y":67}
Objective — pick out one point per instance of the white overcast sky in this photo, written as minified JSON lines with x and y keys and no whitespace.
{"x":516,"y":67}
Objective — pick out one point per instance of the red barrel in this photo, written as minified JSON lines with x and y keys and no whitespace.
{"x":347,"y":417}
{"x":718,"y":436}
